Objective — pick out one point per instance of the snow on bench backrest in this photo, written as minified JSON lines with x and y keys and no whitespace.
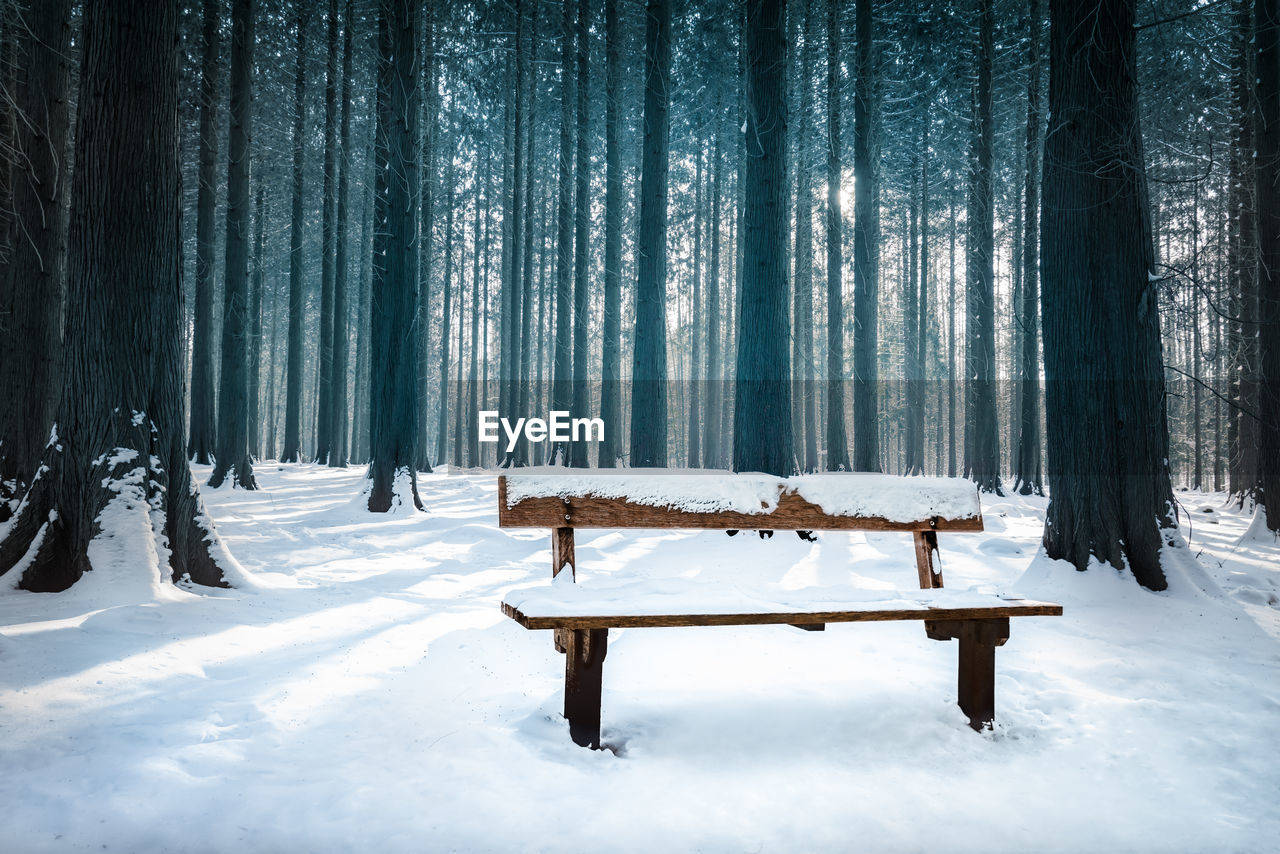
{"x":662,"y":498}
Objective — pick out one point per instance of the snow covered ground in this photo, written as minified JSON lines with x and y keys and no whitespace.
{"x":368,"y":695}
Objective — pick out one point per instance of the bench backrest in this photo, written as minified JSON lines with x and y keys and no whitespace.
{"x":565,"y":502}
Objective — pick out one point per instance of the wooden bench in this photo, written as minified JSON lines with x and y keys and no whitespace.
{"x":581,"y":620}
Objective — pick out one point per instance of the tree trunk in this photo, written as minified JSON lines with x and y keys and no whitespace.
{"x":1028,"y":478}
{"x":762,"y":435}
{"x":610,"y":391}
{"x":1104,"y":404}
{"x":980,"y":319}
{"x":582,"y":222}
{"x":203,"y":432}
{"x":442,"y":414}
{"x":837,"y":443}
{"x":649,"y":373}
{"x":328,"y":241}
{"x":118,"y":468}
{"x":427,"y":106}
{"x":802,"y":282}
{"x":473,"y":374}
{"x":292,"y":451}
{"x":562,"y":371}
{"x":394,"y":361}
{"x":254,"y":348}
{"x":693,"y":422}
{"x":341,"y":308}
{"x":711,"y":452}
{"x":33,"y":283}
{"x":233,"y":379}
{"x":866,"y":246}
{"x":1267,"y":177}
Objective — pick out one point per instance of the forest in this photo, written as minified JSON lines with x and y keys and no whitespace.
{"x":296,"y":294}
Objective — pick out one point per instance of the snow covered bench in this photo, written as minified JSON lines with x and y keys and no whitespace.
{"x":581,"y":616}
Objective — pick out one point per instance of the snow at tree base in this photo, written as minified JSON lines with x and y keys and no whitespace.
{"x":365,"y":693}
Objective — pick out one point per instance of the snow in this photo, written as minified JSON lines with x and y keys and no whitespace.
{"x":368,"y":694}
{"x":709,"y":491}
{"x":615,"y":596}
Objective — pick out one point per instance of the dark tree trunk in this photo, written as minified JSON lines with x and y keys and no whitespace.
{"x":254,"y":349}
{"x":360,"y":394}
{"x":427,"y":106}
{"x":338,"y":451}
{"x":233,"y":380}
{"x":394,"y":351}
{"x":712,"y":456}
{"x":529,"y":96}
{"x":610,"y":392}
{"x":582,"y":223}
{"x":1242,"y":428}
{"x":292,"y":451}
{"x":1104,"y":403}
{"x":562,"y":370}
{"x":803,"y":279}
{"x":1267,"y":30}
{"x":473,"y":374}
{"x":837,"y":443}
{"x":866,"y":243}
{"x":922,"y":296}
{"x":119,"y":464}
{"x":762,"y":436}
{"x":202,"y":432}
{"x":442,"y":420}
{"x":328,"y":242}
{"x":1029,"y":478}
{"x":982,"y":428}
{"x":694,"y":421}
{"x":951,"y":336}
{"x":649,"y":373}
{"x":33,"y":283}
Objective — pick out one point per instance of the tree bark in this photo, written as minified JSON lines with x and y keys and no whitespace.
{"x":1029,"y":478}
{"x":328,"y":242}
{"x":394,"y":361}
{"x":1104,"y":393}
{"x":117,"y":469}
{"x":837,"y":443}
{"x":203,"y":431}
{"x":582,"y":221}
{"x":866,"y":246}
{"x":982,"y":426}
{"x":338,"y":450}
{"x":762,"y":434}
{"x":1267,"y":177}
{"x":233,"y":380}
{"x":33,"y":283}
{"x":649,"y":373}
{"x":610,"y":392}
{"x":292,"y":451}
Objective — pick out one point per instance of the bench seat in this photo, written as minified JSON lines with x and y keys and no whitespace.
{"x":689,"y":602}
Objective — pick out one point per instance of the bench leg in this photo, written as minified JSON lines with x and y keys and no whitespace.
{"x":976,"y":684}
{"x":583,"y":672}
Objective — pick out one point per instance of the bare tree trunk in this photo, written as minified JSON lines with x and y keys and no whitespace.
{"x":119,"y":463}
{"x":866,"y":243}
{"x":33,"y":283}
{"x":233,"y":380}
{"x":394,"y":362}
{"x":802,"y":282}
{"x":1107,"y":435}
{"x":582,"y":223}
{"x":292,"y":451}
{"x":762,"y":436}
{"x":837,"y":443}
{"x":203,"y":433}
{"x":1267,"y":36}
{"x":338,"y":451}
{"x":1028,"y":479}
{"x":254,"y":349}
{"x":649,"y":373}
{"x":328,"y":242}
{"x":610,"y":390}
